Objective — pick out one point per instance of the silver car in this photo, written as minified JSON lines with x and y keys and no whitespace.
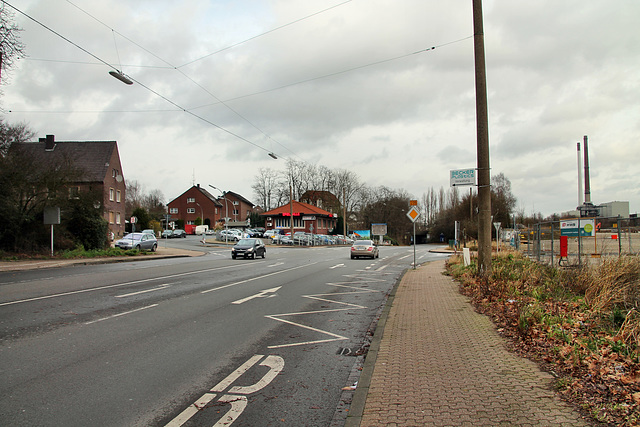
{"x":364,"y":248}
{"x":138,"y":241}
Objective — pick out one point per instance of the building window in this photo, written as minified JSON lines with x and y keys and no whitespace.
{"x":110,"y":217}
{"x":173,"y":210}
{"x":191,"y":222}
{"x":191,"y":210}
{"x":111,"y":194}
{"x":74,"y":192}
{"x":118,"y":196}
{"x":118,"y":218}
{"x":236,"y":212}
{"x":191,"y":200}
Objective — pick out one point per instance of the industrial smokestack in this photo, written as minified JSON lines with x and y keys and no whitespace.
{"x":587,"y":185}
{"x":580,"y":200}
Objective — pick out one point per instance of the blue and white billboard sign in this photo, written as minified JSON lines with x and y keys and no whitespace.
{"x":573,"y":227}
{"x":462,"y":177}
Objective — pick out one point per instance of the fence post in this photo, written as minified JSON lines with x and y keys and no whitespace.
{"x":579,"y":245}
{"x":619,"y":240}
{"x":539,"y":240}
{"x":552,"y":244}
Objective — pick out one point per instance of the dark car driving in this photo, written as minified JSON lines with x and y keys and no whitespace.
{"x":248,"y":248}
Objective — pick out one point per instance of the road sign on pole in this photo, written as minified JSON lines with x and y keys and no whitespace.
{"x":413,"y":214}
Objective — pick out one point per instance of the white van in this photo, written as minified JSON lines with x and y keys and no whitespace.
{"x":201,"y":229}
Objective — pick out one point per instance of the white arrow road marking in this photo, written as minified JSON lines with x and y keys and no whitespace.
{"x":261,"y":294}
{"x":159,"y":288}
{"x":257,"y":278}
{"x":336,"y":266}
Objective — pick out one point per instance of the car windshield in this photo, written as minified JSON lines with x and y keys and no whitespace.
{"x":247,"y":242}
{"x":133,"y":236}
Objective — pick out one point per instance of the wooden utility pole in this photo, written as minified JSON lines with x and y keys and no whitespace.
{"x":482,"y":127}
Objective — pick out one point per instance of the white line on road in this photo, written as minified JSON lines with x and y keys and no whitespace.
{"x":121,"y":314}
{"x":336,"y":266}
{"x":275,"y":265}
{"x":118,"y":285}
{"x":261,"y":294}
{"x":159,"y":288}
{"x":255,"y":278}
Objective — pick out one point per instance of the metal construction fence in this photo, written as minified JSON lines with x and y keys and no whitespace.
{"x":581,"y":241}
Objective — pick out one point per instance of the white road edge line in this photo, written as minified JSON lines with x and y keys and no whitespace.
{"x":121,"y":314}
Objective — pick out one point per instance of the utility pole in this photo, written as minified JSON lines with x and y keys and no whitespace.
{"x":482,"y":127}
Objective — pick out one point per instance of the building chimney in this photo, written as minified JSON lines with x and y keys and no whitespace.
{"x":587,"y":184}
{"x":579,"y":177}
{"x":50,"y":143}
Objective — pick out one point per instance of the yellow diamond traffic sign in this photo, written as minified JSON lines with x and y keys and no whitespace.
{"x":413,"y":214}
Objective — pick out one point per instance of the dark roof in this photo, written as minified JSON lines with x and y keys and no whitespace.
{"x":298,"y":207}
{"x":91,"y":156}
{"x":203,"y":191}
{"x":238,"y":196}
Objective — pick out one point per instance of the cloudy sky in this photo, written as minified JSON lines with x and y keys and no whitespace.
{"x":384,"y":88}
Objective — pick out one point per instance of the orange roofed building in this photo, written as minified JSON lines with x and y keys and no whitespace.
{"x":307,"y":218}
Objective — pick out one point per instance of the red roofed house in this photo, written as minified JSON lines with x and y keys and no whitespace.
{"x":307,"y":218}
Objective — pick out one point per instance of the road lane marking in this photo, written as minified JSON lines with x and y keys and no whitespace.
{"x":236,"y":396}
{"x":275,"y":365}
{"x":256,"y":278}
{"x":121,"y":314}
{"x":117,"y":285}
{"x":275,"y":265}
{"x":159,"y":288}
{"x":336,"y":266}
{"x":382,"y":268}
{"x":261,"y":294}
{"x":222,"y":385}
{"x":336,"y":337}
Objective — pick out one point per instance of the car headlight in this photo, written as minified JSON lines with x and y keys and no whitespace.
{"x":250,"y":250}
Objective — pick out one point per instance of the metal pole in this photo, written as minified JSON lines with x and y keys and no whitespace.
{"x":579,"y":244}
{"x":552,"y":243}
{"x":619,"y":241}
{"x":482,"y":129}
{"x":414,"y":245}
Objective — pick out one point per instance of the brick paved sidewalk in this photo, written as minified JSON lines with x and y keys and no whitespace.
{"x":439,"y":363}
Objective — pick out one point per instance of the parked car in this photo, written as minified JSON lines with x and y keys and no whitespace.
{"x":178,"y":233}
{"x":150,"y":231}
{"x":364,"y":248}
{"x":248,"y":248}
{"x":230,"y":235}
{"x":139,"y":241}
{"x":166,"y":234}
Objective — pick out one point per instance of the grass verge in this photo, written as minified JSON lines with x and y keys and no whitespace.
{"x":583,"y":326}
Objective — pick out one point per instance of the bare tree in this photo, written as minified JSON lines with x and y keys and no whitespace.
{"x":266,"y":188}
{"x":11,"y":48}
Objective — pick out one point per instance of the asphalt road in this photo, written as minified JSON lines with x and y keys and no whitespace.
{"x":190,"y":341}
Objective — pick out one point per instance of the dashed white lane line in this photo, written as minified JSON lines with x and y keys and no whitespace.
{"x":159,"y":288}
{"x":121,"y":314}
{"x":256,"y":278}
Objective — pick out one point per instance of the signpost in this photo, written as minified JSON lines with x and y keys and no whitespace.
{"x":462,"y":177}
{"x":413,"y":214}
{"x":52,"y":216}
